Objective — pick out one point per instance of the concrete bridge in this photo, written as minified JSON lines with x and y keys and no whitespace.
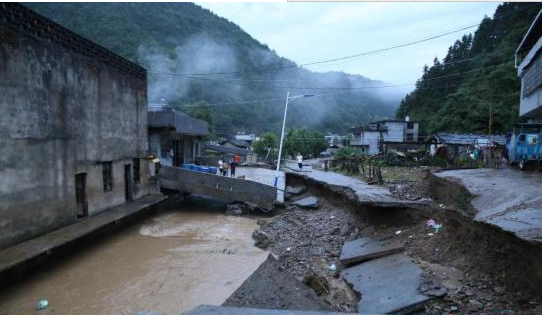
{"x":250,"y":189}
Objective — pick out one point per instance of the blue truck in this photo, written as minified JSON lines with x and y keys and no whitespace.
{"x":523,"y":145}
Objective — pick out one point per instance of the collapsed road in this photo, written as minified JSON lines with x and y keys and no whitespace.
{"x":464,"y":266}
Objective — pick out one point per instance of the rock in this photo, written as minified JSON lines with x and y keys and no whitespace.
{"x":475,"y":304}
{"x":234,"y":209}
{"x":262,"y":240}
{"x":345,"y":230}
{"x":499,"y":289}
{"x":308,"y":202}
{"x":294,"y":191}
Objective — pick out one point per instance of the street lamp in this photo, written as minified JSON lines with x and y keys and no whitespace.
{"x":289,"y":98}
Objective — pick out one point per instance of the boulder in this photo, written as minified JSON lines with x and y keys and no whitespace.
{"x":295,"y":190}
{"x":262,"y":240}
{"x":307,"y":202}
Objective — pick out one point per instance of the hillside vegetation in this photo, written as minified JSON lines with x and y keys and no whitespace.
{"x":476,"y":78}
{"x":184,"y":38}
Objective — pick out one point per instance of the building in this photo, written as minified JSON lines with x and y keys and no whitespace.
{"x":334,"y":139}
{"x":367,"y":138}
{"x":381,"y":136}
{"x":212,"y":153}
{"x":73,"y":121}
{"x":452,"y":146}
{"x":174,"y":137}
{"x":528,"y":63}
{"x":242,"y":136}
{"x":236,"y":144}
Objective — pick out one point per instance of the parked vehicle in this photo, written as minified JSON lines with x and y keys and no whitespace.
{"x":523,"y":145}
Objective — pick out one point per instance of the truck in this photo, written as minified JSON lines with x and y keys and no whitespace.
{"x":523,"y":145}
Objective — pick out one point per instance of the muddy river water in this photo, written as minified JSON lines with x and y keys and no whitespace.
{"x":170,"y":262}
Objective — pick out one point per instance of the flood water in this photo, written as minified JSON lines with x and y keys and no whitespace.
{"x":168,"y":263}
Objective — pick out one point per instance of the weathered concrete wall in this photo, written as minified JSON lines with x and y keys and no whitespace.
{"x":229,"y":188}
{"x":66,"y":105}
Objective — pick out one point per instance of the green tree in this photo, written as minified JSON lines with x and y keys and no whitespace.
{"x":477,"y":76}
{"x":305,"y":141}
{"x":268,"y":143}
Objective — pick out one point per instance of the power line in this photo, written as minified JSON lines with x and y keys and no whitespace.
{"x":344,"y":57}
{"x":355,"y":87}
{"x":345,"y":91}
{"x":323,"y":61}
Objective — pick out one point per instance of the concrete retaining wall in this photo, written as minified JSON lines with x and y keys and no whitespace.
{"x":66,"y":105}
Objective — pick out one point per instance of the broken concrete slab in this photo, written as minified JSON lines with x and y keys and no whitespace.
{"x":295,"y":190}
{"x":364,"y":248}
{"x":387,"y":285}
{"x":227,"y":310}
{"x":307,"y":202}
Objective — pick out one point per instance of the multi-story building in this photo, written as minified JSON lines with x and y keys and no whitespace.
{"x":528,"y":63}
{"x":73,"y":127}
{"x":383,"y":135}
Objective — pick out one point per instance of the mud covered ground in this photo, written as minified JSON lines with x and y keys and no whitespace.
{"x":483,"y":270}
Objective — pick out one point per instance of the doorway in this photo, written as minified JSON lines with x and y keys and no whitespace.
{"x":178,"y":152}
{"x":128,"y":182}
{"x":81,"y":195}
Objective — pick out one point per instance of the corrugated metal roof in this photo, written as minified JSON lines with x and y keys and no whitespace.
{"x":172,"y":118}
{"x":467,"y":139}
{"x":237,"y":143}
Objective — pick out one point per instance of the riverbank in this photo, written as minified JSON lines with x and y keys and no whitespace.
{"x":481,"y":267}
{"x":182,"y":255}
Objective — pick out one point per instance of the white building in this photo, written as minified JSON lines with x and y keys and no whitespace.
{"x":242,"y":136}
{"x":382,"y":135}
{"x":528,"y":63}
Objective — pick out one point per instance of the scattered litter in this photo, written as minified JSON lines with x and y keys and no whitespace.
{"x":410,"y":236}
{"x":332,"y":268}
{"x":332,"y":217}
{"x":430,"y":234}
{"x":433,"y":224}
{"x":288,"y":249}
{"x":42,"y":304}
{"x":398,"y":232}
{"x":441,"y":205}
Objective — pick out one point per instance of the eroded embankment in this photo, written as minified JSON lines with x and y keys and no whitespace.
{"x":483,"y":267}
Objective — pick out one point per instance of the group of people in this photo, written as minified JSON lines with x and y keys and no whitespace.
{"x":230,"y":165}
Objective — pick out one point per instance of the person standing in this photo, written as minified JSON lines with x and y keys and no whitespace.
{"x":221,"y":166}
{"x":225,"y":168}
{"x":300,"y":160}
{"x":233,"y":167}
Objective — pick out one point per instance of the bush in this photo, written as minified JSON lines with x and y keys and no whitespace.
{"x":346,"y":151}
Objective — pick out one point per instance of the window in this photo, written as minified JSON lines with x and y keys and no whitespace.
{"x":107,"y":175}
{"x":409,"y":125}
{"x":136,"y":170}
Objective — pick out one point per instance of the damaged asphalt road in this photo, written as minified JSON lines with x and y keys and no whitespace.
{"x":462,"y":259}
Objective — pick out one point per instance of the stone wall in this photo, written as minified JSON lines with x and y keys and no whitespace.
{"x":66,"y":105}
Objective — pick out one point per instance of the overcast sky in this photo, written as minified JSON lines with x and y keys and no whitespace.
{"x":307,"y":32}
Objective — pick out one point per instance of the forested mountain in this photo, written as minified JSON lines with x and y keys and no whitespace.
{"x":477,"y":75}
{"x":183,"y":38}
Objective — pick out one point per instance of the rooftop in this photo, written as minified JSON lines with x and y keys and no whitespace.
{"x":163,"y":116}
{"x":467,"y":139}
{"x":225,"y":149}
